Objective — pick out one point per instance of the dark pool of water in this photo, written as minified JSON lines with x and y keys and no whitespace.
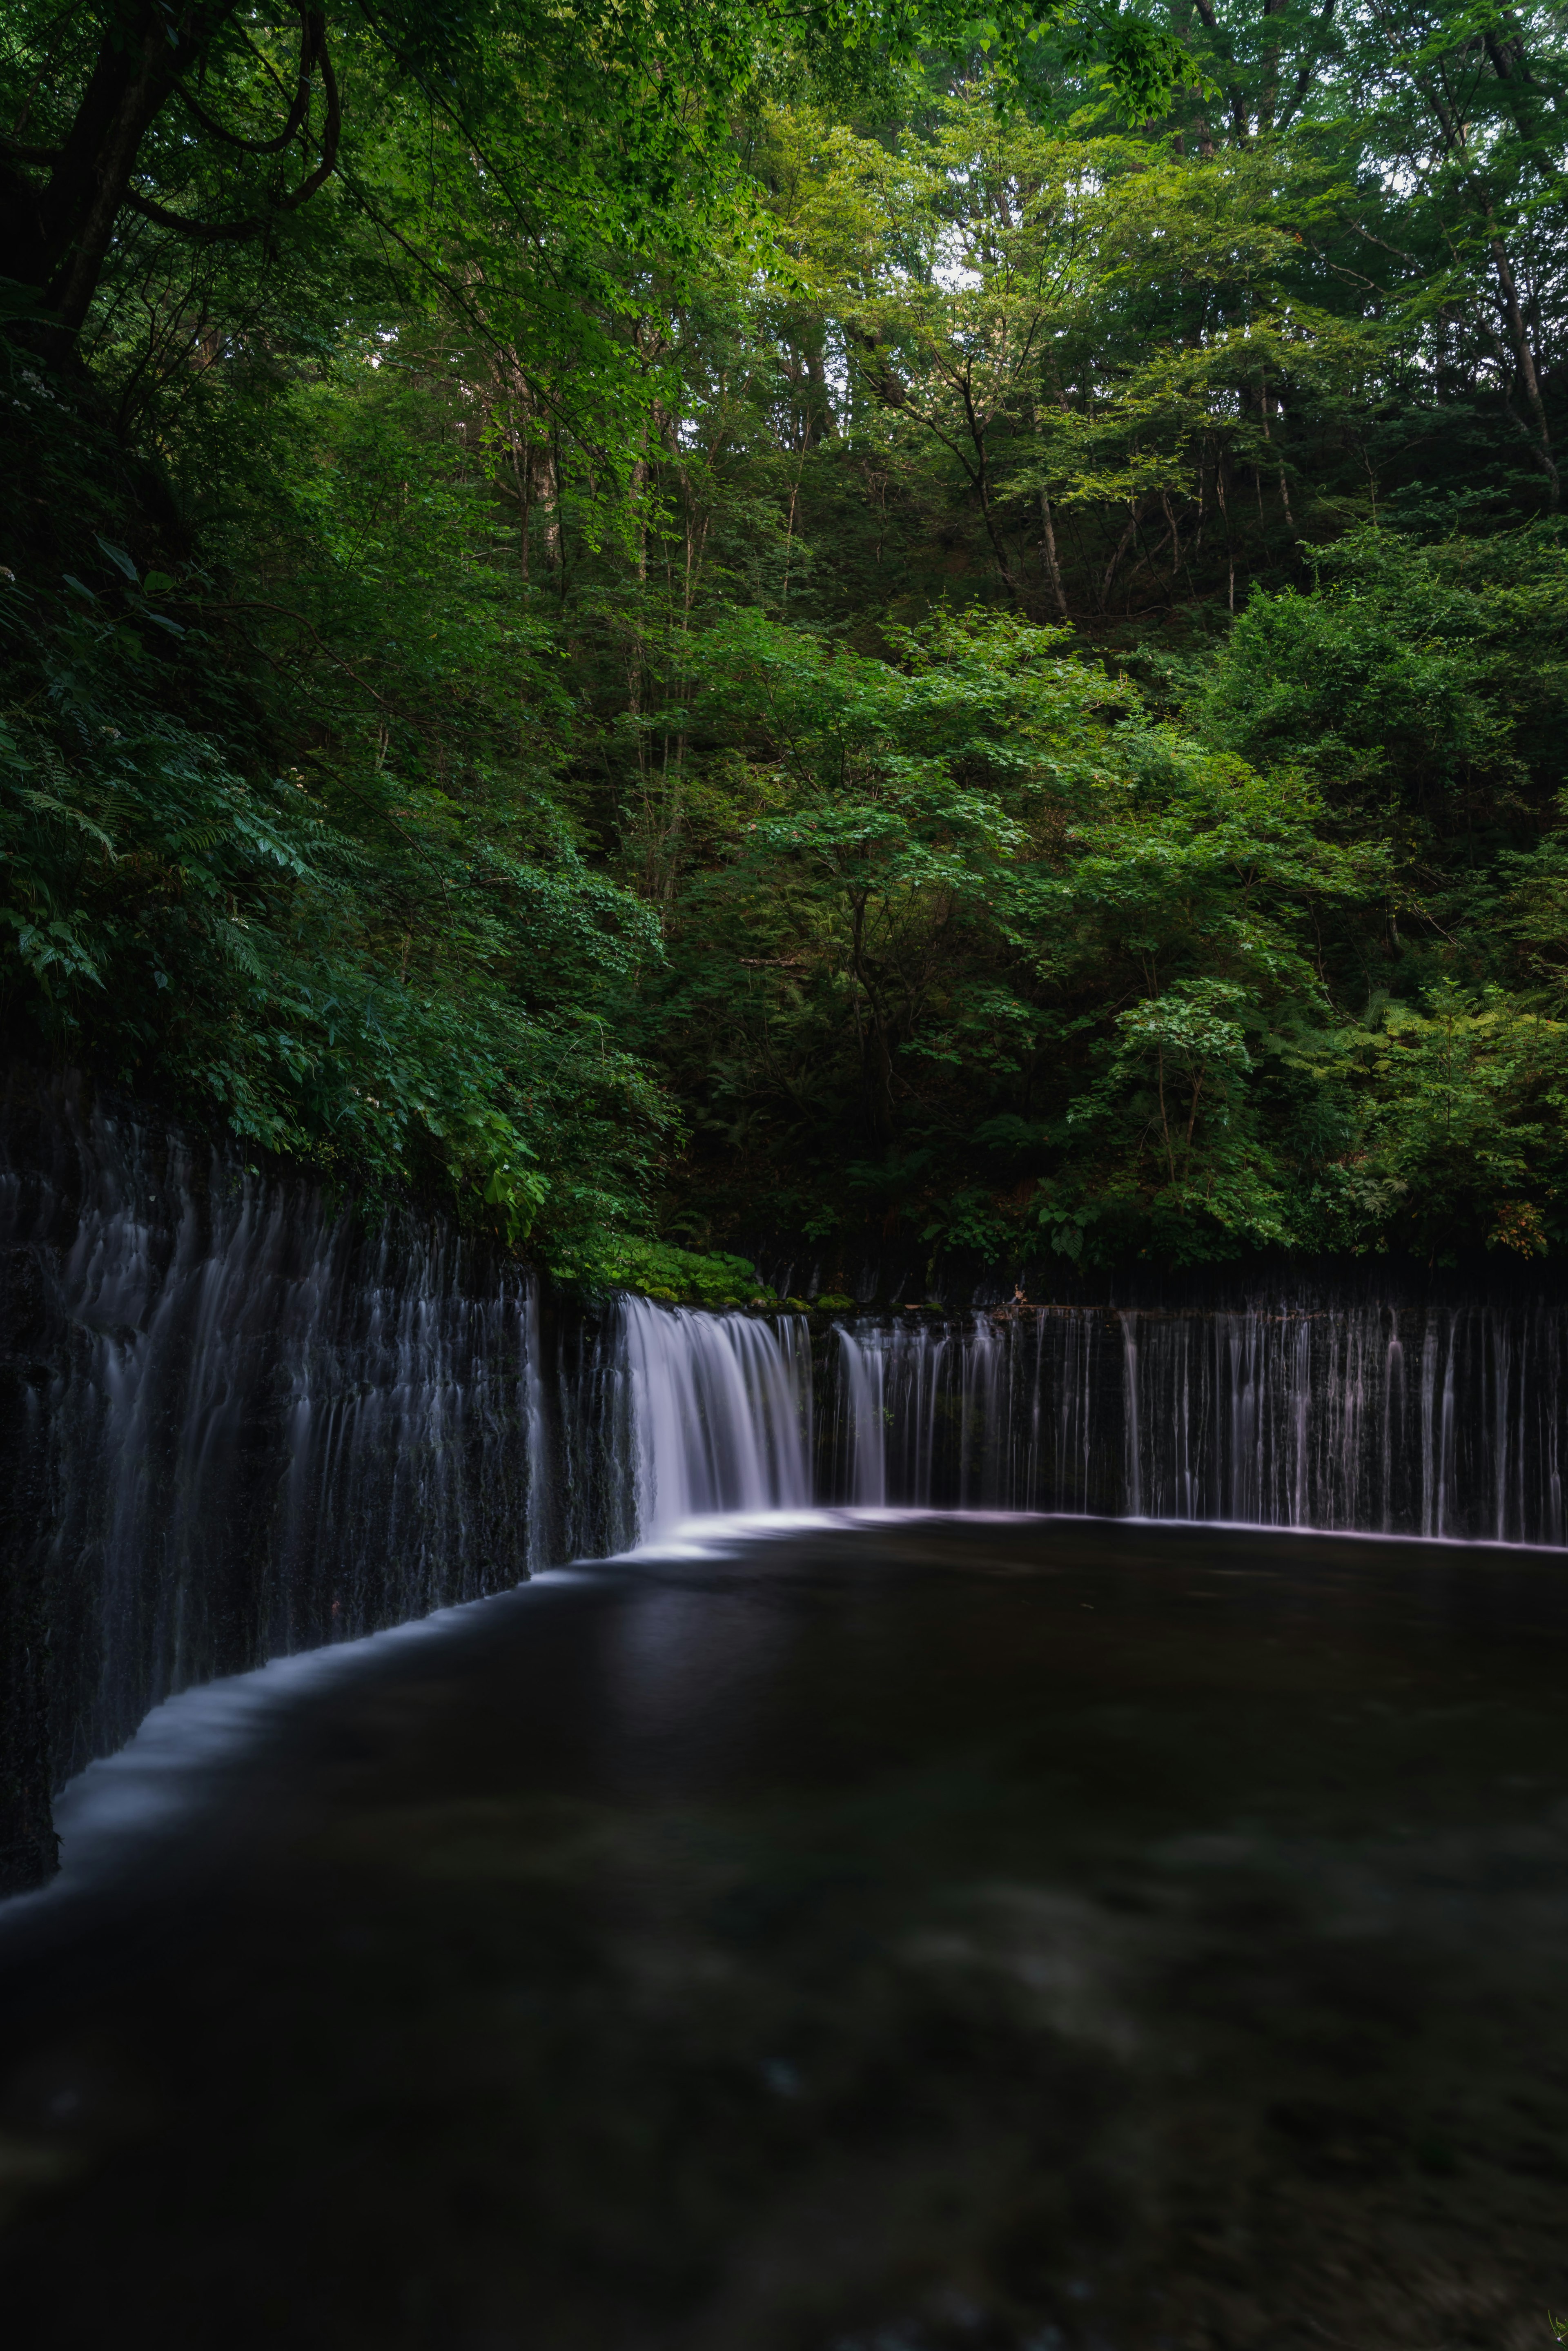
{"x":1038,"y":1937}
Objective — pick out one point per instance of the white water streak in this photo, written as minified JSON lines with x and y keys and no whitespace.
{"x":720,"y":1414}
{"x":1442,"y":1421}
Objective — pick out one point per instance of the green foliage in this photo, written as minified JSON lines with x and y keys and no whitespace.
{"x":1467,"y":1116}
{"x":1046,"y":957}
{"x":888,"y":618}
{"x":664,"y":1270}
{"x":1421,"y":683}
{"x":301,"y":915}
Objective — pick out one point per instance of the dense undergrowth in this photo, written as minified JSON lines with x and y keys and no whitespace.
{"x":910,"y":657}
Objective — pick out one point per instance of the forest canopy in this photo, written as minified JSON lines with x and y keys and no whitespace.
{"x":664,"y":622}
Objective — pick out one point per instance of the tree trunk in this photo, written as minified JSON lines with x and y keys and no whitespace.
{"x":1052,"y":567}
{"x":1122,"y":544}
{"x":1524,"y":358}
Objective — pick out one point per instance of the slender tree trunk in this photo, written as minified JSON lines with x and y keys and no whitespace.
{"x":877,"y":1080}
{"x":1524,"y":358}
{"x":1174,"y":534}
{"x":1239,"y":123}
{"x":1165,"y":1120}
{"x":1052,"y":567}
{"x":1279,"y":459}
{"x":522,"y":472}
{"x":1004,"y":568}
{"x":1122,"y":544}
{"x":1520,"y":95}
{"x":1455,"y":139}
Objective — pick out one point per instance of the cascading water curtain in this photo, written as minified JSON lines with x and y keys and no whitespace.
{"x":243,"y":1426}
{"x":713,"y":1414}
{"x":924,"y":1416}
{"x":1434,"y":1420}
{"x":261,"y":1429}
{"x":1431,"y":1421}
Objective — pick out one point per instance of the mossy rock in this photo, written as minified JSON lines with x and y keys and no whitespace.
{"x":666,"y":1273}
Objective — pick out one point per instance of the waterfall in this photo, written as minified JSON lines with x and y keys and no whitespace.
{"x":241,"y":1426}
{"x":718,"y":1409}
{"x":255,"y":1427}
{"x":238,"y":1424}
{"x":863,"y":1415}
{"x":1441,"y":1419}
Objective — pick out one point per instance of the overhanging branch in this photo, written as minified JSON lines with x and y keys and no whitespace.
{"x":256,"y":224}
{"x":312,"y":43}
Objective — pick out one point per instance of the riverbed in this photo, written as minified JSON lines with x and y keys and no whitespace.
{"x":891,"y":1934}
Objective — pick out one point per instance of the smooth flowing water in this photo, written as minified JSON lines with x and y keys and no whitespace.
{"x":1441,"y":1419}
{"x":893,"y":1935}
{"x":237,"y":1426}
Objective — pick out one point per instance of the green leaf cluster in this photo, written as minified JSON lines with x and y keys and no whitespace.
{"x":888,"y":618}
